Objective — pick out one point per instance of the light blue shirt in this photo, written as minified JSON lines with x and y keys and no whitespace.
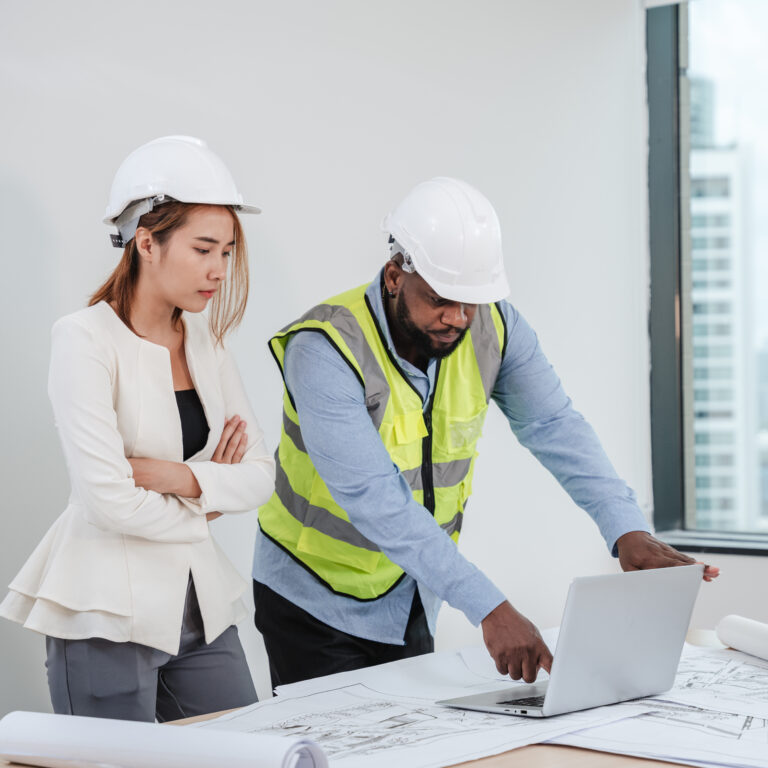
{"x":347,"y":451}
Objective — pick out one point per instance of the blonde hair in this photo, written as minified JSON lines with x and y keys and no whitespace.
{"x":227,"y":306}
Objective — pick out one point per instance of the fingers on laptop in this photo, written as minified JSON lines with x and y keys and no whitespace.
{"x":526,"y":662}
{"x":639,"y":550}
{"x":710,"y":571}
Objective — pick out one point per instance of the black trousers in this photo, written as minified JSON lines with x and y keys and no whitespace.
{"x":300,"y":647}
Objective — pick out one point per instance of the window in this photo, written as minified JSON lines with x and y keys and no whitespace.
{"x":711,"y":265}
{"x":720,"y":372}
{"x":714,"y":438}
{"x":703,"y":243}
{"x":710,"y":221}
{"x":708,"y":183}
{"x":711,"y":187}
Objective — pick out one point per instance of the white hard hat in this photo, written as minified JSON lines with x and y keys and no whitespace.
{"x":452,"y":235}
{"x":177,"y":167}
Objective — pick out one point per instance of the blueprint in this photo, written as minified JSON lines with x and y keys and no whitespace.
{"x":723,"y":680}
{"x":356,"y":723}
{"x":682,"y":733}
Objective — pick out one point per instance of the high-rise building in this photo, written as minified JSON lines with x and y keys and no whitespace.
{"x":723,"y":421}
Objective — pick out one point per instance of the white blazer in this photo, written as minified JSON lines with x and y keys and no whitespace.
{"x":116,"y":563}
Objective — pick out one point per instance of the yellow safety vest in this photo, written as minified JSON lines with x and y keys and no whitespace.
{"x":434,"y":447}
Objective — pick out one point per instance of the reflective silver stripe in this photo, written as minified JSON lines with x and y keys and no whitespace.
{"x":485,"y":340}
{"x":453,"y":526}
{"x":294,"y":432}
{"x":318,"y":518}
{"x":413,"y":478}
{"x":444,"y":474}
{"x":376,"y":385}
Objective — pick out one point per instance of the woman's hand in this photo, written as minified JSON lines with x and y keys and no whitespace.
{"x":231,"y":448}
{"x":234,"y":441}
{"x":177,"y":478}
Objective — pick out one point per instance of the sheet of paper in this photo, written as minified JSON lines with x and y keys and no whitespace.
{"x":357,"y":725}
{"x":438,"y":675}
{"x":432,"y":676}
{"x":722,"y":680}
{"x":682,"y":733}
{"x":60,"y":741}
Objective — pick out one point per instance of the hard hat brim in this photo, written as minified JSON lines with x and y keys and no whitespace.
{"x":239,"y":207}
{"x":472,"y":294}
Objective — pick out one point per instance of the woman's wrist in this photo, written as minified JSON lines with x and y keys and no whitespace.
{"x":165,"y":477}
{"x":184,"y":481}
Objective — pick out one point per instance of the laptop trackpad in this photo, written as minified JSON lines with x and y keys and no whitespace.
{"x":524,"y":695}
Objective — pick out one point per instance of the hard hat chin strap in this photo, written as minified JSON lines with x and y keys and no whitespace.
{"x":128,"y":221}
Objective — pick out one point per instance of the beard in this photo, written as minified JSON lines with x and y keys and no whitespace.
{"x":423,"y":340}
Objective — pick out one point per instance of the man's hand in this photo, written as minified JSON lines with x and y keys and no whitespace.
{"x":514,"y":643}
{"x":639,"y":550}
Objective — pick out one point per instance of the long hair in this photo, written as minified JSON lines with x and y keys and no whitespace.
{"x":227,"y":306}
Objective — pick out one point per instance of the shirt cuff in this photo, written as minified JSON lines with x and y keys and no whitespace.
{"x":477,"y":597}
{"x":617,"y":518}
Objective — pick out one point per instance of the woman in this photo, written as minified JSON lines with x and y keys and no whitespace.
{"x":137,"y":601}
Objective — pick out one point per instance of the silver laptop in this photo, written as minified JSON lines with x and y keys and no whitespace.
{"x":620,"y":638}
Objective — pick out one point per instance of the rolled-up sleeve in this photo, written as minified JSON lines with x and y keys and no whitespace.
{"x":80,"y":389}
{"x":542,"y":417}
{"x":348,"y":453}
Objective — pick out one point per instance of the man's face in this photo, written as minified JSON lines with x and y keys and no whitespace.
{"x":434,"y":325}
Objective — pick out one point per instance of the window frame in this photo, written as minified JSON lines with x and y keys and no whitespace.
{"x":672,"y":448}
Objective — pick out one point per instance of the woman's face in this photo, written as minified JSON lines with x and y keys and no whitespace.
{"x":190,"y":267}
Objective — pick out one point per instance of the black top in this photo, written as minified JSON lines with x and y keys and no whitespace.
{"x":194,"y":425}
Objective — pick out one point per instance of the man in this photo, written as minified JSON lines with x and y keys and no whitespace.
{"x":387,"y":387}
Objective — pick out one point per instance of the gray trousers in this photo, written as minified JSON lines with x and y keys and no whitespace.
{"x":128,"y":681}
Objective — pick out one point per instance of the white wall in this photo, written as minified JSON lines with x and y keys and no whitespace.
{"x":328,"y":112}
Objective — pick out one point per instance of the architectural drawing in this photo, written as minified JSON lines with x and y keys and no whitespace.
{"x":356,"y":722}
{"x":366,"y":727}
{"x":724,"y":676}
{"x":682,"y":733}
{"x":729,"y":681}
{"x":711,"y":722}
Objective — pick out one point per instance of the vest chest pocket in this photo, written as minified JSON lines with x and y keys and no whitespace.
{"x":409,"y":427}
{"x":402,"y":437}
{"x":464,"y":433}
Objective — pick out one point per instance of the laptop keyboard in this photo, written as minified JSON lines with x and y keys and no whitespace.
{"x":530,"y":701}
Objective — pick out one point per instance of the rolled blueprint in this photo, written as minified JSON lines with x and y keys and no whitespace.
{"x":744,"y":635}
{"x":59,"y":741}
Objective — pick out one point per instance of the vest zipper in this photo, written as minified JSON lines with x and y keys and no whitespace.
{"x":427,"y":480}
